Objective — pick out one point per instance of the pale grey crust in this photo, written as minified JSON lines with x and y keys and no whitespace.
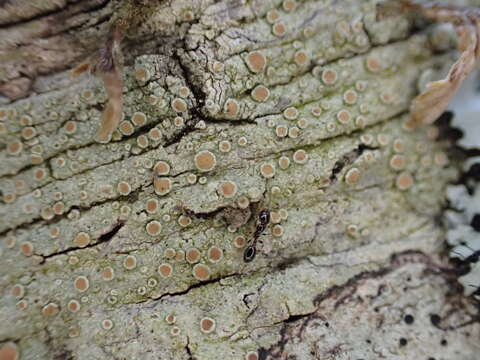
{"x":346,"y":209}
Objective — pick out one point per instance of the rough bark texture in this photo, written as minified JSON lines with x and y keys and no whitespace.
{"x":296,"y":107}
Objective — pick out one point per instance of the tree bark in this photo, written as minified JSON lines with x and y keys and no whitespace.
{"x":135,"y":249}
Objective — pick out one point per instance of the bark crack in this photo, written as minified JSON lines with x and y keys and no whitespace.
{"x":277,"y":349}
{"x":191,"y":287}
{"x":104,"y":238}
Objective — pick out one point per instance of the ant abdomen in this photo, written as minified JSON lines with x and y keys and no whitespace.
{"x":249,"y":253}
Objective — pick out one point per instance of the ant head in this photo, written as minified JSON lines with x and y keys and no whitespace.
{"x":264,"y":216}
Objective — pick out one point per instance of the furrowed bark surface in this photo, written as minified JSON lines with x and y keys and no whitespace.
{"x":300,"y":108}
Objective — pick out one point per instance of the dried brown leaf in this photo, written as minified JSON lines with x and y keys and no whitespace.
{"x":430,"y":104}
{"x":108,"y":65}
{"x":109,"y":68}
{"x":112,"y":114}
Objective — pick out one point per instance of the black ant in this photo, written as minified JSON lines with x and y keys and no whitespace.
{"x":251,"y":250}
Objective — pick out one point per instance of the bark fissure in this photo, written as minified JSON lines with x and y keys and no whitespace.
{"x":102,"y":239}
{"x":335,"y":250}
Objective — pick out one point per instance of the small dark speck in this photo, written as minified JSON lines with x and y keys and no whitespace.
{"x":444,"y":342}
{"x":435,"y":320}
{"x":409,"y":319}
{"x":403,"y":342}
{"x":476,"y":222}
